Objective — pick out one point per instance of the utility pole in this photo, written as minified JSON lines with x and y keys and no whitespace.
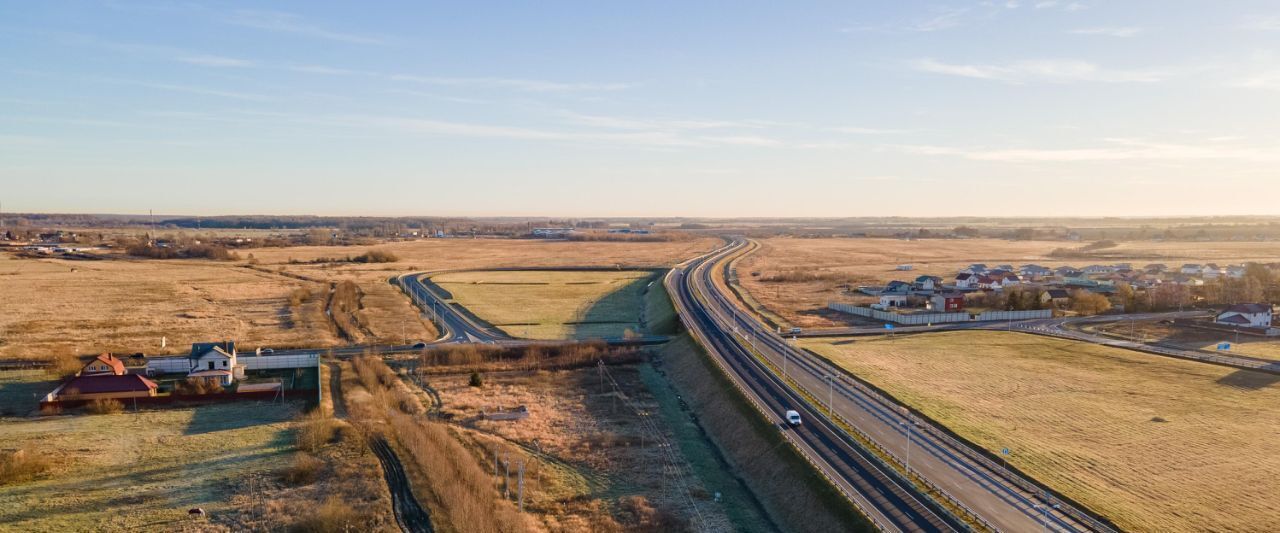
{"x":520,"y":486}
{"x":506,"y":480}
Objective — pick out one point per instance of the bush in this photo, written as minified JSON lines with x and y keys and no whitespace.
{"x":305,"y":470}
{"x":64,"y":364}
{"x":476,"y":380}
{"x":106,"y":406}
{"x":377,"y":256}
{"x":316,"y":432}
{"x":196,"y":387}
{"x":332,"y":516}
{"x":22,"y":465}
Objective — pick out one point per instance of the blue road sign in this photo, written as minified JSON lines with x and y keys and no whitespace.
{"x":1004,"y":451}
{"x":888,"y":326}
{"x":1224,"y":346}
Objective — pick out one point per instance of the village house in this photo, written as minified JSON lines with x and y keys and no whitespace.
{"x":1068,"y":272}
{"x":966,"y":280}
{"x":1155,"y":268}
{"x":976,"y":268}
{"x":104,"y":364}
{"x":1055,"y":297}
{"x":928,"y":283}
{"x":1034,"y":271}
{"x":1099,"y":269}
{"x":947,"y":302}
{"x":1246,"y":315}
{"x":988,"y":282}
{"x":105,"y":386}
{"x":1236,"y":271}
{"x":1211,"y":271}
{"x":214,"y":362}
{"x":1191,"y":269}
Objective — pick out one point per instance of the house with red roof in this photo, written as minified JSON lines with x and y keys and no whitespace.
{"x":103,"y":386}
{"x":104,"y":364}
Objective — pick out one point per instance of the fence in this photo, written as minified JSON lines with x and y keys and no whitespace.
{"x":937,"y":318}
{"x":182,"y":364}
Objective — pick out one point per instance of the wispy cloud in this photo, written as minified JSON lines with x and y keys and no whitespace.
{"x":1112,"y":150}
{"x":1262,"y":80}
{"x":857,"y":130}
{"x":216,"y":61}
{"x":1044,"y":70}
{"x":282,"y":22}
{"x":190,"y":89}
{"x":1113,"y":31}
{"x":1262,"y":23}
{"x":942,"y":18}
{"x":329,"y":71}
{"x":511,"y":83}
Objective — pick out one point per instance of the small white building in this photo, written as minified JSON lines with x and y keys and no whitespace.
{"x":1246,"y":315}
{"x":966,"y":280}
{"x":1191,"y":269}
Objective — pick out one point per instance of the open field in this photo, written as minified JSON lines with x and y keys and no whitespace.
{"x":553,"y":304}
{"x":837,"y":263}
{"x":144,"y":470}
{"x":1154,"y":444}
{"x":127,"y":305}
{"x":1193,"y":338}
{"x":590,"y":452}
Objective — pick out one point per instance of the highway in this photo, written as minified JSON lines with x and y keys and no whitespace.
{"x":1001,"y":498}
{"x":887,"y":499}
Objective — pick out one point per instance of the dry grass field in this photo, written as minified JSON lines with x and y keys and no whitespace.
{"x":591,"y":455}
{"x":48,"y":306}
{"x":850,"y":262}
{"x":553,"y":304}
{"x":1155,"y":444}
{"x":143,"y":471}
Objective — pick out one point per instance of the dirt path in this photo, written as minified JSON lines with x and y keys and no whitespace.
{"x":409,"y":513}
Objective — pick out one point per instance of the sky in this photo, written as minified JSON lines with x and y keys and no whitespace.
{"x":593,"y":109}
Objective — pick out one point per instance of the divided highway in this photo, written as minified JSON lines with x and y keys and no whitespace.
{"x":999,"y":499}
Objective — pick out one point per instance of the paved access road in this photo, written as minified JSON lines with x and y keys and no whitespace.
{"x":1003,"y":499}
{"x":1068,"y":328}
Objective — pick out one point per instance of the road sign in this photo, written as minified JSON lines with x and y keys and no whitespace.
{"x":1225,"y":346}
{"x":1004,"y":451}
{"x":888,"y":326}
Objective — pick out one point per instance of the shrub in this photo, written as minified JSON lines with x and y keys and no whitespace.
{"x":64,"y":364}
{"x":22,"y":465}
{"x":316,"y":432}
{"x":332,"y":516}
{"x":106,"y":406}
{"x":376,"y":256}
{"x":476,"y":380}
{"x":305,"y":470}
{"x":195,"y":387}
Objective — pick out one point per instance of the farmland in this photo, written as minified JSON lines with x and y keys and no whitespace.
{"x":1152,"y":443}
{"x":795,"y":278}
{"x":275,"y":298}
{"x":554,"y":304}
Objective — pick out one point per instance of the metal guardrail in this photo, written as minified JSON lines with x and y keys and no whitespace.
{"x":965,"y":449}
{"x":769,"y":415}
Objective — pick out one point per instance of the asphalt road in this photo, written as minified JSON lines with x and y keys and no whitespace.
{"x":1005,"y":500}
{"x":1068,"y":328}
{"x":882,"y":495}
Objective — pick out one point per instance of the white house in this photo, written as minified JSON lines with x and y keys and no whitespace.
{"x":1246,"y":315}
{"x":213,"y":361}
{"x":928,"y":283}
{"x":1191,"y":269}
{"x":966,"y":280}
{"x":1034,"y":271}
{"x":1210,"y":271}
{"x":988,"y":282}
{"x":1099,"y":269}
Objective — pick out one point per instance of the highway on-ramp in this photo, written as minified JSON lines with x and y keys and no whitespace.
{"x":999,"y":498}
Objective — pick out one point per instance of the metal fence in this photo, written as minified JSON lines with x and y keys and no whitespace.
{"x":938,"y":318}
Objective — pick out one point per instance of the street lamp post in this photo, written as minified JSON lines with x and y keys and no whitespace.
{"x":908,"y":424}
{"x":1044,"y":509}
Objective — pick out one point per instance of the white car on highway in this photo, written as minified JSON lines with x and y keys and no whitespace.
{"x":793,"y":418}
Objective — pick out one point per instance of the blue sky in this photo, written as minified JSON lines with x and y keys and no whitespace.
{"x":646,"y":108}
